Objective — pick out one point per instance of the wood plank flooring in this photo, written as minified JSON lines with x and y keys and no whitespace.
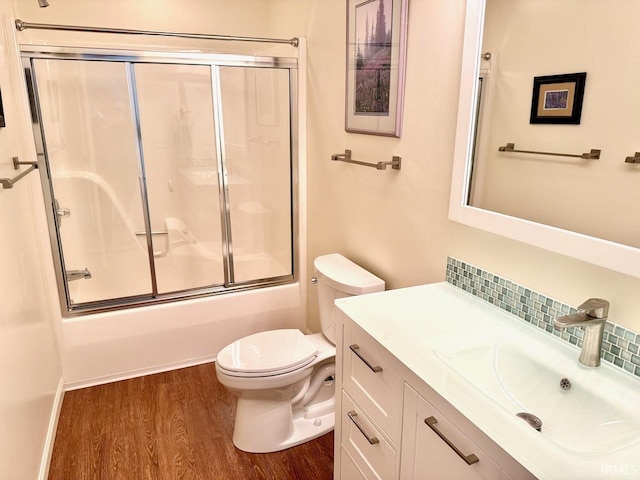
{"x":173,"y":425}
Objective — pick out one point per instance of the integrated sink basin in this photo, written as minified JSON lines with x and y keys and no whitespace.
{"x":595,"y":413}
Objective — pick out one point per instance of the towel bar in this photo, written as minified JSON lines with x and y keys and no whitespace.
{"x":10,"y":182}
{"x":634,"y":159}
{"x":346,"y":157}
{"x":592,"y":155}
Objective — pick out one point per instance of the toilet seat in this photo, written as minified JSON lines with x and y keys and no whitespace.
{"x":269,"y":353}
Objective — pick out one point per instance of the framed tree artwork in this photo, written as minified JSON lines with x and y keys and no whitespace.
{"x":376,"y":52}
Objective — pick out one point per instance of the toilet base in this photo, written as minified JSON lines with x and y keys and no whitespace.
{"x":264,"y":427}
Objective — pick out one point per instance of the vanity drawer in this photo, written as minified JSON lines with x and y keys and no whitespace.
{"x":370,"y":380}
{"x":348,"y":468}
{"x":372,"y":453}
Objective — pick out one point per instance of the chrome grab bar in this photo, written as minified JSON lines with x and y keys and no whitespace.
{"x":354,"y":348}
{"x":352,"y":416}
{"x":592,"y":155}
{"x":395,"y":162}
{"x":142,"y":233}
{"x":10,"y":182}
{"x":470,"y":459}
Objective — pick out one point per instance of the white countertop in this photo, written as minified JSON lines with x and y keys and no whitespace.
{"x":414,"y":323}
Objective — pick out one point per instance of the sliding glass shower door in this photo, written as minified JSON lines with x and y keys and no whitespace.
{"x":167,"y":177}
{"x":181,"y":161}
{"x":256,"y":112}
{"x":92,"y":156}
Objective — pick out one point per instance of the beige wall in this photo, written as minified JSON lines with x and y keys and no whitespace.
{"x":395,"y":223}
{"x":392,"y":222}
{"x":30,"y":371}
{"x":225,"y":17}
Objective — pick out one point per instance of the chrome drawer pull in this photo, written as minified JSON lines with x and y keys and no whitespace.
{"x":470,"y":459}
{"x":352,"y":416}
{"x":354,"y":348}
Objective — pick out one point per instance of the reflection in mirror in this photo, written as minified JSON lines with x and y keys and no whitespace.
{"x":608,"y":99}
{"x":528,"y":39}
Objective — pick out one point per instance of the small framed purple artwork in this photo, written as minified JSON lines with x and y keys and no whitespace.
{"x":557,"y":99}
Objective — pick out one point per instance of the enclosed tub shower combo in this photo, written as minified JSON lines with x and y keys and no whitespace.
{"x":166,"y":175}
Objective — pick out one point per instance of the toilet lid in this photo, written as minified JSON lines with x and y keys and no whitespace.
{"x":267,"y":353}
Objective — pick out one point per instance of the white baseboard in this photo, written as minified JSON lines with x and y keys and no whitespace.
{"x":51,"y":431}
{"x":139,"y":373}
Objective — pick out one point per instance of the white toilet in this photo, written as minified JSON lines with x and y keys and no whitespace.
{"x":284,"y":379}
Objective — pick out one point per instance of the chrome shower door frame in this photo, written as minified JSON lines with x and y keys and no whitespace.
{"x":130,"y":58}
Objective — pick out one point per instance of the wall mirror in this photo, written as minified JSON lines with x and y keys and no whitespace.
{"x":508,"y":177}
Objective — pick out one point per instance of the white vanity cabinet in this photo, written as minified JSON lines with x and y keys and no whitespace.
{"x":381,"y":433}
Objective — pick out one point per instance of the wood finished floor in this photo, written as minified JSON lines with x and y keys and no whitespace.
{"x":173,"y":425}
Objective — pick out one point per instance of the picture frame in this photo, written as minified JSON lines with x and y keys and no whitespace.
{"x":557,"y":99}
{"x":376,"y":55}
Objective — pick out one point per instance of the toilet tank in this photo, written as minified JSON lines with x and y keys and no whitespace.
{"x":339,"y":277}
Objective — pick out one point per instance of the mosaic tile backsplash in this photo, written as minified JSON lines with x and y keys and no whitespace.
{"x":620,"y":347}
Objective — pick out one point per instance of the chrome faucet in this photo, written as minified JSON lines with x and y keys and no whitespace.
{"x":591,"y":315}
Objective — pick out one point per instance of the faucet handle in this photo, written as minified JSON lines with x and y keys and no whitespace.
{"x":595,"y":308}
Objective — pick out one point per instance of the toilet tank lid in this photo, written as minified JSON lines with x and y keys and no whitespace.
{"x":346,"y":276}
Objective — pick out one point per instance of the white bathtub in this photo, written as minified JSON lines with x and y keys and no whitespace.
{"x":112,"y":346}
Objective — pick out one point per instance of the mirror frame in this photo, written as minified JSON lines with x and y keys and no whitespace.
{"x":604,"y":253}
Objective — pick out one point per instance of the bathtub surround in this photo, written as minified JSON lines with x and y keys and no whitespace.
{"x":620,"y":346}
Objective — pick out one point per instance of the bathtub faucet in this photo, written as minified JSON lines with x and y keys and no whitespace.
{"x":77,"y":274}
{"x":591,"y":315}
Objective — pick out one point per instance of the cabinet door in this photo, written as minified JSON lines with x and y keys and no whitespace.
{"x":426,"y":455}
